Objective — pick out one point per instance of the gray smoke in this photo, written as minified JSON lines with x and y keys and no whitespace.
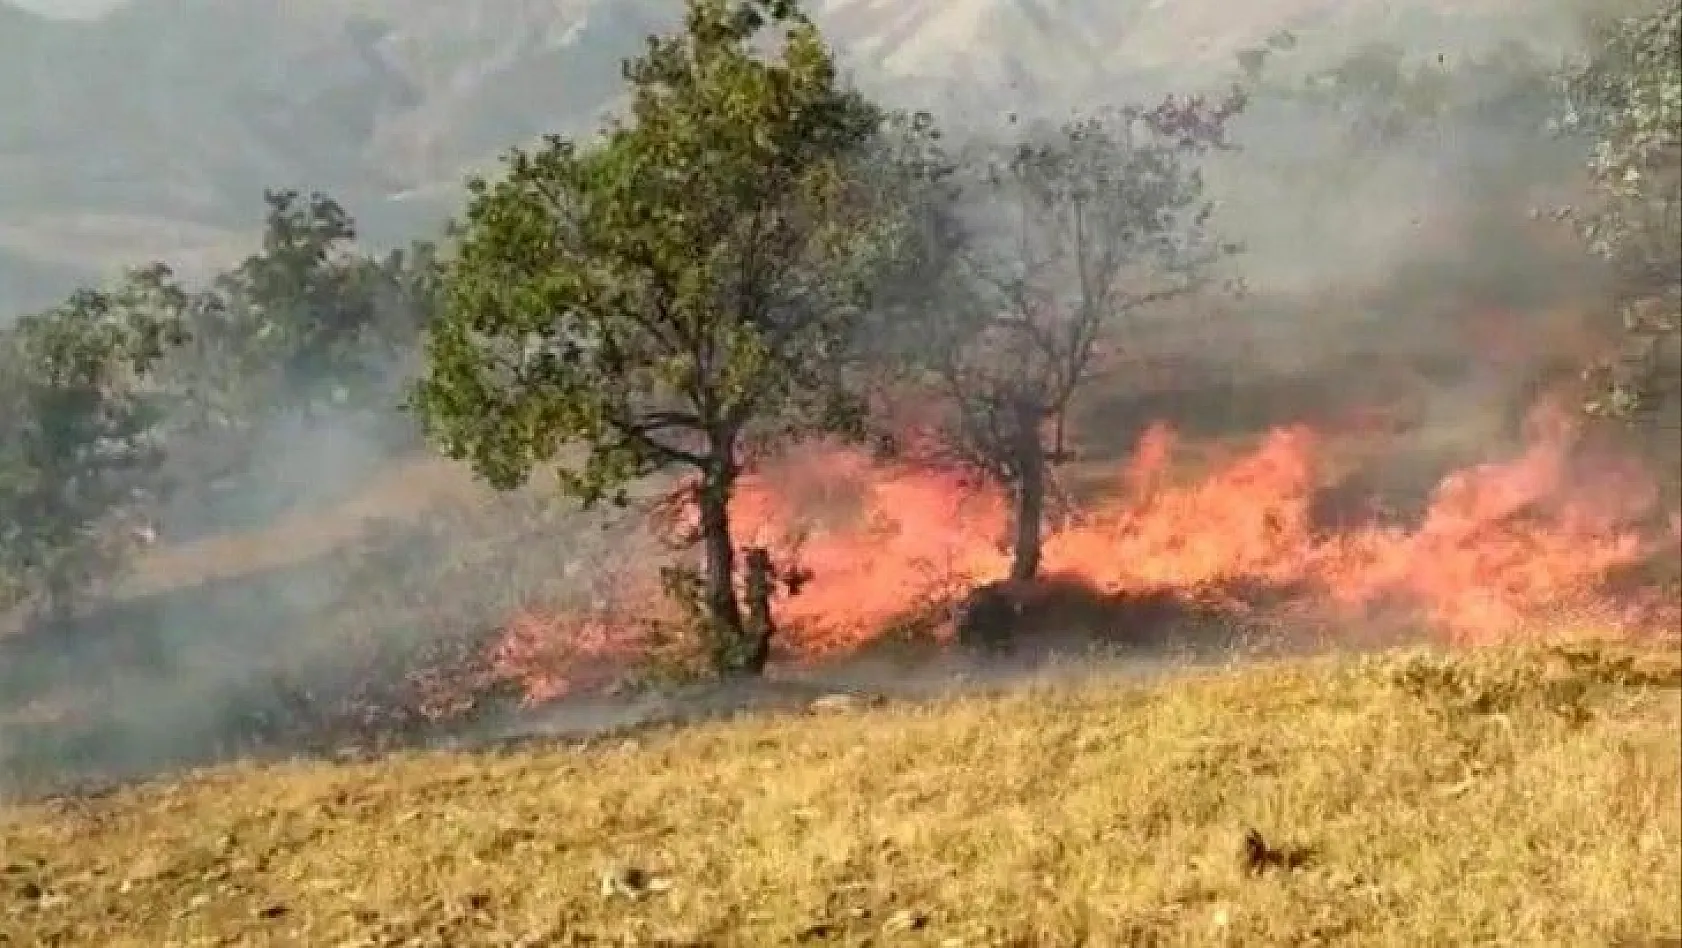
{"x":338,"y":549}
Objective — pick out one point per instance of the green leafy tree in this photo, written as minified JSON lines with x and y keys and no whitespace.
{"x":307,"y":320}
{"x":1628,"y":95}
{"x":80,"y":448}
{"x":306,"y":323}
{"x":688,"y":284}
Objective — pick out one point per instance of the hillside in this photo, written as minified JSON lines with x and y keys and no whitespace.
{"x":1513,"y":798}
{"x":152,"y":131}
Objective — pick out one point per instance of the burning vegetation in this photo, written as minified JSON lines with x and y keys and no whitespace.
{"x":1536,"y":545}
{"x":887,"y":389}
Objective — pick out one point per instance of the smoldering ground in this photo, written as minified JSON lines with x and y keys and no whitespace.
{"x":1366,"y":262}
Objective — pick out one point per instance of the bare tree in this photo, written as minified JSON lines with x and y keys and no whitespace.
{"x":1077,"y":228}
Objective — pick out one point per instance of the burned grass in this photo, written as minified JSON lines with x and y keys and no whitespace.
{"x":1513,"y":797}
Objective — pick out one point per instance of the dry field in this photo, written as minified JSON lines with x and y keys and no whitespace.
{"x":1504,"y":797}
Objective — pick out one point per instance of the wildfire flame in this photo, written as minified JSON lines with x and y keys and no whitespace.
{"x":1538,"y":537}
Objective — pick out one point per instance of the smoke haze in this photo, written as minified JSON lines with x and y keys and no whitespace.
{"x":337,"y":554}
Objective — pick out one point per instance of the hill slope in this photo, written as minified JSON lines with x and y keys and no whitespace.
{"x":1502,"y":798}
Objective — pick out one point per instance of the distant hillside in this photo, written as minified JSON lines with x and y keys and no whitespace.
{"x":152,"y":131}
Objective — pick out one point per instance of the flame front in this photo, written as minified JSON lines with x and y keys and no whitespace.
{"x":1501,"y":548}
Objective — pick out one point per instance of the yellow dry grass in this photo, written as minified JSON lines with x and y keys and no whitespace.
{"x":1528,"y":797}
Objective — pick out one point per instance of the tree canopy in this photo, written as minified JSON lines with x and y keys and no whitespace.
{"x":1628,"y":95}
{"x":120,"y":399}
{"x":646,"y":299}
{"x":305,"y":321}
{"x":80,"y":447}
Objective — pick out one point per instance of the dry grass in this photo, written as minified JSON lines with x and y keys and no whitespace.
{"x":407,"y":490}
{"x":1515,"y":798}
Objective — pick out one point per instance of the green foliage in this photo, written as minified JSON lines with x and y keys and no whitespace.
{"x":304,"y":322}
{"x":118,"y":397}
{"x":80,"y":454}
{"x":1629,"y":96}
{"x":651,"y":298}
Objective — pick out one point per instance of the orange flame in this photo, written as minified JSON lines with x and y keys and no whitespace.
{"x":1535,"y":537}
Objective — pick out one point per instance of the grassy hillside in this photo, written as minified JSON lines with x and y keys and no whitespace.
{"x":1515,"y":798}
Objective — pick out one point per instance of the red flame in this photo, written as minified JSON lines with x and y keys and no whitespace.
{"x":1534,"y":538}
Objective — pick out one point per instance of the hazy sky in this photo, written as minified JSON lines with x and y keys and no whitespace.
{"x":76,"y":8}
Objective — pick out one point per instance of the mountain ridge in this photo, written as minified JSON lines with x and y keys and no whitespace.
{"x":152,"y":130}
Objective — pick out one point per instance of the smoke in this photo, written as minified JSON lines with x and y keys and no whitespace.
{"x":329,"y":584}
{"x":336,"y":556}
{"x":1399,"y":234}
{"x":188,"y":651}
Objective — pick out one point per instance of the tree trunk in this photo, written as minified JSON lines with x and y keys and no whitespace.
{"x":723,"y":612}
{"x":1030,"y":497}
{"x":760,"y":580}
{"x":1059,"y":451}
